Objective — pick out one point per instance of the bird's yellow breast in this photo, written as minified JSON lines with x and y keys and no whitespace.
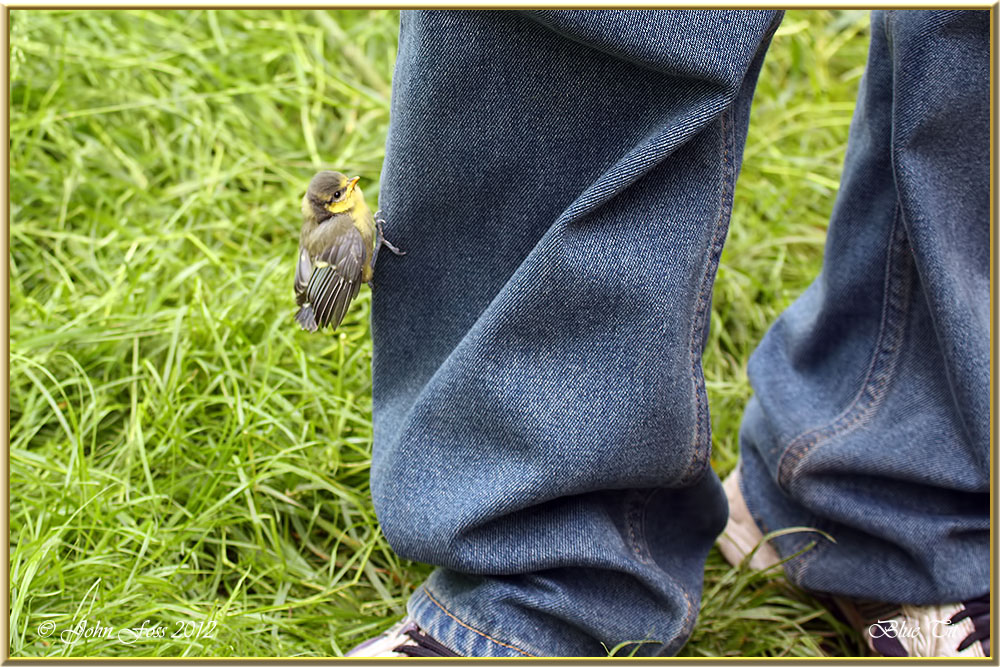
{"x":355,"y":206}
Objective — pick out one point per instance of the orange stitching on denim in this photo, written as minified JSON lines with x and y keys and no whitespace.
{"x":469,"y":627}
{"x":689,"y":618}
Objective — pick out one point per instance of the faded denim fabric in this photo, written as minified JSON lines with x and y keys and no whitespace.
{"x":871,"y":411}
{"x":562,"y":183}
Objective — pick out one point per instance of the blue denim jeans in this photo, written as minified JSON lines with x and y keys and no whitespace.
{"x":562,"y":182}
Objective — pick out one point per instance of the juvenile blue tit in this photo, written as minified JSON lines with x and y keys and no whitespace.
{"x":338,"y":247}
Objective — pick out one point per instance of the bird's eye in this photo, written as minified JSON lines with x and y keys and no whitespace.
{"x":336,"y":195}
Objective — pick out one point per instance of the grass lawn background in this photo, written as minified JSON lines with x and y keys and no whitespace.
{"x":179,"y":453}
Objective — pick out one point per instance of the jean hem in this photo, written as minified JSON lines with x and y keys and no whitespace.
{"x":434,"y":618}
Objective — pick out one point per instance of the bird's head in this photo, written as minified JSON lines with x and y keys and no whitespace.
{"x":330,"y":192}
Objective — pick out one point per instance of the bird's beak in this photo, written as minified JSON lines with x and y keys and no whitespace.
{"x":354,"y":181}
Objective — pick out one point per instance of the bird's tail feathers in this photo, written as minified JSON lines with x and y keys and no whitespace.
{"x":306,"y":317}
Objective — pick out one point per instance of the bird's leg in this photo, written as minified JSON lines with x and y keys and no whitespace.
{"x":380,"y":239}
{"x":394,"y":249}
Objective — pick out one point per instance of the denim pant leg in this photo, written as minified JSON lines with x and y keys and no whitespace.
{"x":871,"y":412}
{"x":561,"y":182}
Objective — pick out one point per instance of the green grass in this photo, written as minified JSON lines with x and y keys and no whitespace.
{"x":180,"y":454}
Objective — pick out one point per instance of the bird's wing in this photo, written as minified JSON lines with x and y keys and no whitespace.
{"x":303,"y":270}
{"x":336,"y":279}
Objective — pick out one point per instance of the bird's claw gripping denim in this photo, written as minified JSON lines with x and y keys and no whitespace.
{"x":562,"y":182}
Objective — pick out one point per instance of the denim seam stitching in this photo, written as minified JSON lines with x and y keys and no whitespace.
{"x":881,"y":370}
{"x":895,"y":305}
{"x":687,"y":626}
{"x":690,"y":614}
{"x":469,"y":627}
{"x":712,"y":252}
{"x":636,"y":519}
